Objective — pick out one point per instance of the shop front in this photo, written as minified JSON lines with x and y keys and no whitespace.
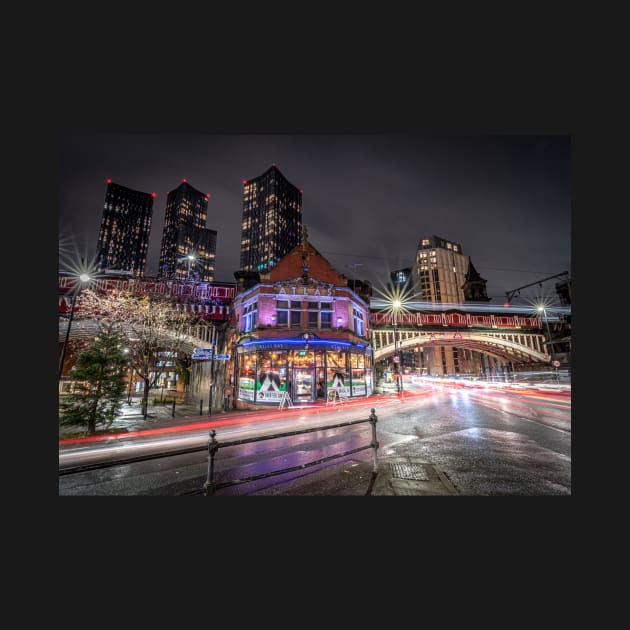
{"x":303,"y":369}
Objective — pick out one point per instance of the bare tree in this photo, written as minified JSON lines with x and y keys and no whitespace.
{"x":149,"y":326}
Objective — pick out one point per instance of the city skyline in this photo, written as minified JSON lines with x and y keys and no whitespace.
{"x":367,"y":199}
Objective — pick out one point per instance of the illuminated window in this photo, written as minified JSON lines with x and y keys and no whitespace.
{"x":289,"y":314}
{"x":319,"y":314}
{"x":357,"y":318}
{"x":250,"y":315}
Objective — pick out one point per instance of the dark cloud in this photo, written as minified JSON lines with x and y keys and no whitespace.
{"x":367,"y":198}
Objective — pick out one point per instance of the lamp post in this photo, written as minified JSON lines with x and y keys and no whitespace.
{"x":84,"y":278}
{"x":542,"y":309}
{"x":397,"y":350}
{"x":214,"y":347}
{"x":190,"y":259}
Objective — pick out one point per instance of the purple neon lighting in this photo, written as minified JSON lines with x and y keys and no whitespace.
{"x":300,"y":341}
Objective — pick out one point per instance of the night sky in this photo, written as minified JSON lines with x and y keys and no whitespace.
{"x":367,"y":198}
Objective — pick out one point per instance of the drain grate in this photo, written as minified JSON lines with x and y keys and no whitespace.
{"x":415,"y":472}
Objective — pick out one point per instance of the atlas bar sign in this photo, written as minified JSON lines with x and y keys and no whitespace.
{"x":300,"y":289}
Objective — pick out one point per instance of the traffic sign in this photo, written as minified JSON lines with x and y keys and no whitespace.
{"x":396,"y":359}
{"x":202,"y":353}
{"x":221,"y":357}
{"x":555,"y":364}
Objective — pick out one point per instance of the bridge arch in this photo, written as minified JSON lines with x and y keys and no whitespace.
{"x":500,"y":345}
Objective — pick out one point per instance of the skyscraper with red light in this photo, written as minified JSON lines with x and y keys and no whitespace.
{"x":123,"y":239}
{"x":188,"y":248}
{"x":272,"y":220}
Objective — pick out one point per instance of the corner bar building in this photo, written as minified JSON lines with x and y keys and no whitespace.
{"x":300,"y":332}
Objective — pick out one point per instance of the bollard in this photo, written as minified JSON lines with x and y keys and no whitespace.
{"x":201,"y":407}
{"x":374,"y":443}
{"x":173,"y":410}
{"x":213,"y":447}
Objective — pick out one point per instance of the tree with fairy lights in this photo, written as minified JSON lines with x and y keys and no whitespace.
{"x":154,"y":332}
{"x":99,"y":376}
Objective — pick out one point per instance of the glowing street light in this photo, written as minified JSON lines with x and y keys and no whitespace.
{"x":190,"y":258}
{"x":396,"y":298}
{"x":543,"y":309}
{"x":84,"y":279}
{"x":396,"y":304}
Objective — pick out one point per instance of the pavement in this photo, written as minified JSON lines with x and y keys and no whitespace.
{"x":395,"y":476}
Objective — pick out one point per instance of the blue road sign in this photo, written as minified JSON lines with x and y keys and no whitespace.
{"x":202,"y":353}
{"x":221,"y":357}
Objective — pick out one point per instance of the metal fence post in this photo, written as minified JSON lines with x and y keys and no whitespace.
{"x":173,"y":410}
{"x":213,"y":447}
{"x":201,"y":407}
{"x":374,"y":443}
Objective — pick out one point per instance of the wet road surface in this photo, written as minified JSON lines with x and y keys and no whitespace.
{"x":486,"y":441}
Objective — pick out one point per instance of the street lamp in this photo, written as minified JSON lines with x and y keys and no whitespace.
{"x":84,"y":278}
{"x":396,"y":304}
{"x":542,"y":309}
{"x":191,"y":258}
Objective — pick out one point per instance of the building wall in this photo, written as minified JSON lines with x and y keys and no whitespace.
{"x":216,"y":373}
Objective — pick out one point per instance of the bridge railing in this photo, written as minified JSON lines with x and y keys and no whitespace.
{"x":210,"y":486}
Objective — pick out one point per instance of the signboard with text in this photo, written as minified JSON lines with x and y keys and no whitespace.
{"x":202,"y":353}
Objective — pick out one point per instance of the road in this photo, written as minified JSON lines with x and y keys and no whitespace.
{"x":488,"y":440}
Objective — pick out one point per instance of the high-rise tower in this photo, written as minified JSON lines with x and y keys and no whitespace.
{"x":188,"y":248}
{"x":440,"y":270}
{"x":439,"y":276}
{"x":272,"y":220}
{"x":123,"y":239}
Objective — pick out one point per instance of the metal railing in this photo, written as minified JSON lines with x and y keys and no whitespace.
{"x":210,"y":486}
